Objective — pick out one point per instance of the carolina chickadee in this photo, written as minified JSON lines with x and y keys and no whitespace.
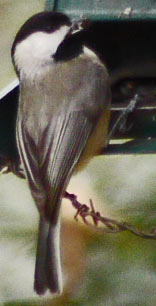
{"x":62,"y":122}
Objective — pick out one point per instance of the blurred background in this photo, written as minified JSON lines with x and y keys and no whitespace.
{"x":99,"y":269}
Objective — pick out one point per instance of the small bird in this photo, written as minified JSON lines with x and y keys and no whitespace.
{"x":62,"y":122}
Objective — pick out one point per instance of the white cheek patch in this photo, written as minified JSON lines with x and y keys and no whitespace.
{"x":37,"y":49}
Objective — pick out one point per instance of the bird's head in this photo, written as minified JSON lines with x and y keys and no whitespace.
{"x":38,"y":40}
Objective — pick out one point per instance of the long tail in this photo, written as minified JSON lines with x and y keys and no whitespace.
{"x":48,"y":266}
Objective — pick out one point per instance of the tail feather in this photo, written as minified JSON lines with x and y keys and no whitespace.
{"x":48,"y":266}
{"x":53,"y":261}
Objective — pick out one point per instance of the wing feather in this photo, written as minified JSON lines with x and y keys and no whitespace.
{"x":49,"y":165}
{"x":69,"y":138}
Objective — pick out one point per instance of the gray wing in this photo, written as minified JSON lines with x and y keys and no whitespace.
{"x":48,"y":169}
{"x":70,"y":135}
{"x":49,"y":165}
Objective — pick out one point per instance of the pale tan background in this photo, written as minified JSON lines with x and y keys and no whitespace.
{"x":13,"y":13}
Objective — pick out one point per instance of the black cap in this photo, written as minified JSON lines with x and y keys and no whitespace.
{"x":42,"y":22}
